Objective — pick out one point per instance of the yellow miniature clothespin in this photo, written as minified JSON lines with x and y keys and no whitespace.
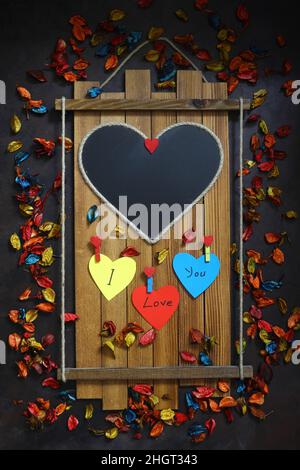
{"x":207,"y":243}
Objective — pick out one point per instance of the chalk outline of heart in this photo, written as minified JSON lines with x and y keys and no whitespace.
{"x":114,"y":209}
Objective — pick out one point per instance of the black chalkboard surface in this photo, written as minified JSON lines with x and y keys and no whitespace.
{"x":115,"y":162}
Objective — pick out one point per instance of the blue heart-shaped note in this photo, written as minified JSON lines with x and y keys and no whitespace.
{"x":195,"y":274}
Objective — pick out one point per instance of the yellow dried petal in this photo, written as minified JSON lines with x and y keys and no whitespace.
{"x":291,"y":215}
{"x":182,"y":15}
{"x":15,"y":241}
{"x":130,"y":339}
{"x":14,"y":145}
{"x":96,"y":39}
{"x":222,"y":34}
{"x":154,"y":399}
{"x":31,"y":315}
{"x":110,"y":345}
{"x":47,"y":257}
{"x":116,"y":15}
{"x":89,"y":411}
{"x":121,"y":49}
{"x":55,"y":231}
{"x":49,"y":295}
{"x":111,"y":433}
{"x":15,"y":124}
{"x":155,"y":32}
{"x":46,"y":226}
{"x":26,"y":209}
{"x":34,"y":344}
{"x":152,"y":55}
{"x":262,"y":93}
{"x":263,"y":127}
{"x":162,"y":255}
{"x":167,"y":414}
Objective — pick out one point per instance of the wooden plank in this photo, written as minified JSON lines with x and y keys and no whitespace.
{"x":217,"y":223}
{"x":148,"y":104}
{"x":114,"y":393}
{"x":165,"y":348}
{"x":191,"y":311}
{"x":138,"y":86}
{"x":154,"y":373}
{"x":87,"y":296}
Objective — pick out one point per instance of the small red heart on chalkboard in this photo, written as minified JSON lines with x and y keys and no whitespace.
{"x":157,"y":307}
{"x":151,"y":145}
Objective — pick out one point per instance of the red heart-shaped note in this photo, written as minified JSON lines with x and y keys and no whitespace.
{"x":158,"y":306}
{"x":151,"y":145}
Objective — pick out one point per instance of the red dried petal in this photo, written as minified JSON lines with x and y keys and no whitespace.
{"x":130,"y":251}
{"x":148,"y":337}
{"x":69,"y":317}
{"x":51,"y":382}
{"x":203,"y":392}
{"x":72,"y":422}
{"x":188,"y":357}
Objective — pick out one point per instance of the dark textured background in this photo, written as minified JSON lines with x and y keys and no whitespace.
{"x":28,"y":30}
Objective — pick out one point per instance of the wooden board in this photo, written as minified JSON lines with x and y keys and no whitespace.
{"x":138,"y":86}
{"x":165,"y":349}
{"x":210,"y":313}
{"x":217,"y":222}
{"x":144,"y":104}
{"x":87,"y":296}
{"x":114,"y":391}
{"x":191,"y":311}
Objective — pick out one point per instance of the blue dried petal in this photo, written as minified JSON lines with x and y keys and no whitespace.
{"x":241,"y":387}
{"x":269,"y":286}
{"x":32,"y":259}
{"x":190,"y":402}
{"x":271,"y":347}
{"x":214,"y":21}
{"x":103,"y":50}
{"x":134,"y":37}
{"x":41,"y":110}
{"x":21,"y":157}
{"x":196,"y":429}
{"x":167,"y":72}
{"x":22,"y":313}
{"x":129,"y":416}
{"x":92,"y":214}
{"x":67,"y":395}
{"x":205,"y":359}
{"x":22,"y":181}
{"x":94,"y":91}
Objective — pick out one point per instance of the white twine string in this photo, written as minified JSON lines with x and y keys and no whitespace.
{"x":138,"y":48}
{"x":241,"y":284}
{"x":63,"y":237}
{"x":63,"y":209}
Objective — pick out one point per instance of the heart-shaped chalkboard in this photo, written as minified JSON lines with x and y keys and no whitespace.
{"x":119,"y":160}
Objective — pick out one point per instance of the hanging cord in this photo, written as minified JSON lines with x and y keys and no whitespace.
{"x":63,"y":237}
{"x":141,"y":46}
{"x":241,"y":284}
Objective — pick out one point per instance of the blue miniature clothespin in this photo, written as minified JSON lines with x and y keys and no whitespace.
{"x":149,"y":271}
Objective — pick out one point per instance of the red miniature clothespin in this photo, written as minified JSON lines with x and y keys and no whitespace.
{"x":189,"y":236}
{"x":149,"y":271}
{"x":207,"y":240}
{"x":96,"y":242}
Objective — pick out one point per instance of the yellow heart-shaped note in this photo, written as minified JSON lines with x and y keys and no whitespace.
{"x":111,"y":277}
